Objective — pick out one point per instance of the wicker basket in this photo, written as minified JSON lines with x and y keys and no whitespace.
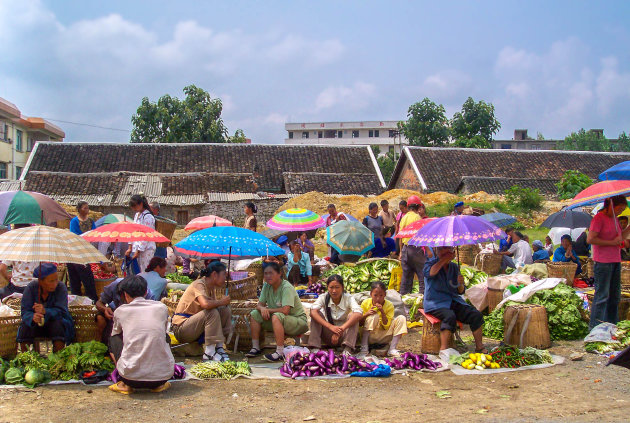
{"x":489,"y":263}
{"x":624,"y":304}
{"x":466,"y":254}
{"x":166,"y":227}
{"x":526,"y":325}
{"x":257,"y":269}
{"x":241,"y":339}
{"x":8,"y":333}
{"x":625,"y":274}
{"x":243,"y":289}
{"x":495,"y":296}
{"x":14,"y":303}
{"x":84,"y":322}
{"x":431,"y":341}
{"x":590,"y":268}
{"x":564,"y":270}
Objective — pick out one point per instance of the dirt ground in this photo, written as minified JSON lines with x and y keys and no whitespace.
{"x":581,"y":391}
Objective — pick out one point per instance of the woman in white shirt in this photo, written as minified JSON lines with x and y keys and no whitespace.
{"x":335,"y":318}
{"x":143,"y":357}
{"x":143,"y":251}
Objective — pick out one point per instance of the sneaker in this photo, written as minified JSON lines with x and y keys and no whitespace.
{"x":254,"y":352}
{"x":274,"y":357}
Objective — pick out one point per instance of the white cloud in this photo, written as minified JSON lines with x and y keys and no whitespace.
{"x":357,"y":96}
{"x":445,"y":85}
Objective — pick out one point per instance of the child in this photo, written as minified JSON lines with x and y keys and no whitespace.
{"x":379,"y":324}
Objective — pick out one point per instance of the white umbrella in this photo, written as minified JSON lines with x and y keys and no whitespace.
{"x":556,"y":233}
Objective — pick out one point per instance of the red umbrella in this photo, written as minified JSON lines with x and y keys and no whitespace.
{"x":412,"y":228}
{"x":204,"y":222}
{"x":599,"y":192}
{"x":124,"y":232}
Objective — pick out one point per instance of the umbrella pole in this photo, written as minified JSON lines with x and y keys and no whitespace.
{"x":457,"y":255}
{"x":229,"y":259}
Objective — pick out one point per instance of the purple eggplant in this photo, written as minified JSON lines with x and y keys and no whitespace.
{"x":320,"y":363}
{"x":331,"y":356}
{"x":311,"y":357}
{"x":344,"y":361}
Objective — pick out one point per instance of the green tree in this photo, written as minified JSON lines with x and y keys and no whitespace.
{"x":196,"y":118}
{"x":585,"y":141}
{"x":623,"y":142}
{"x":426,"y":125}
{"x":571,"y":183}
{"x":386,"y":163}
{"x":475,"y":120}
{"x":523,"y":199}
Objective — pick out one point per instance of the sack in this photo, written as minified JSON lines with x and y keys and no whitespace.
{"x":603,"y":332}
{"x":478,"y":295}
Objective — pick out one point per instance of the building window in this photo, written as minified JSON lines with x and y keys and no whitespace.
{"x":30,"y":143}
{"x":6,"y":132}
{"x":535,"y":146}
{"x":18,"y":172}
{"x":355,"y":134}
{"x":370,"y":133}
{"x":392,"y":133}
{"x":506,"y":146}
{"x":305,"y":134}
{"x":3,"y":171}
{"x":290,"y":135}
{"x":339,"y":134}
{"x":320,"y":134}
{"x":376,"y":133}
{"x":18,"y":140}
{"x":182,"y":217}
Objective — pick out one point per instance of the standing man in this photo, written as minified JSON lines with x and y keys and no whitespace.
{"x":388,"y":216}
{"x":161,"y":252}
{"x":412,"y":258}
{"x":606,"y":237}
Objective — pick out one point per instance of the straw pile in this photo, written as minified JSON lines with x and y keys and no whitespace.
{"x":72,"y":211}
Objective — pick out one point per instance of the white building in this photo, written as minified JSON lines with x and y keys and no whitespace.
{"x":383,"y":134}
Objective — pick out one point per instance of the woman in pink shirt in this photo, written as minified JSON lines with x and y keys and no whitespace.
{"x":606,"y":237}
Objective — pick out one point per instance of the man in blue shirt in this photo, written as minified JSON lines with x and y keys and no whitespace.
{"x":505,"y":244}
{"x":540,"y":253}
{"x":443,"y":290}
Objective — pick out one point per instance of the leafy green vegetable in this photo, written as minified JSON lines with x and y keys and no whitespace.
{"x":359,"y":278}
{"x":4,"y":366}
{"x":177,"y":278}
{"x":14,"y":376}
{"x":35,"y":377}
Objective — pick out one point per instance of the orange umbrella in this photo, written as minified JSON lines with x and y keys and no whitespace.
{"x":124,"y":232}
{"x":204,"y":222}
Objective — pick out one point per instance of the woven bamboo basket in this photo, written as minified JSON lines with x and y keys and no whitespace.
{"x":257,"y":269}
{"x":590,"y":268}
{"x":562,"y":270}
{"x":625,"y":274}
{"x":241,"y":339}
{"x":624,"y":303}
{"x":84,"y":322}
{"x":14,"y":303}
{"x":526,"y":325}
{"x":243,"y":289}
{"x":489,"y":263}
{"x":8,"y":333}
{"x":431,"y":337}
{"x":100,"y":285}
{"x":495,"y":296}
{"x":466,"y":254}
{"x":166,"y":227}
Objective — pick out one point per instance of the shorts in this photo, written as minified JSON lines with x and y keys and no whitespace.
{"x":293,"y":326}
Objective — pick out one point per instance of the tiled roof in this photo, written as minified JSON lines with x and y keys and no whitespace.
{"x":204,"y":183}
{"x":442,"y":169}
{"x":73,"y":184}
{"x":331,"y":183}
{"x":266,"y":162}
{"x":472,"y":184}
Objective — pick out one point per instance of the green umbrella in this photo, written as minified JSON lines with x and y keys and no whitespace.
{"x":349,"y":237}
{"x":26,"y":207}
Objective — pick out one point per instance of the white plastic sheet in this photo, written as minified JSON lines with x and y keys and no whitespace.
{"x":525,"y":293}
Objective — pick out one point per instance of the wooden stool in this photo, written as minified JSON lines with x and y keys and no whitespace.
{"x":431,"y":341}
{"x":45,"y":342}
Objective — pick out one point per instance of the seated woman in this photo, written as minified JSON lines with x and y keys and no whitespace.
{"x":306,"y":245}
{"x":384,"y":246}
{"x":45,"y":310}
{"x":335,"y":318}
{"x":279,"y":310}
{"x":565,"y":253}
{"x":143,"y":357}
{"x":443,"y":290}
{"x":199,"y":313}
{"x":379,"y":324}
{"x":299,"y":268}
{"x":154,"y":275}
{"x":540,"y":255}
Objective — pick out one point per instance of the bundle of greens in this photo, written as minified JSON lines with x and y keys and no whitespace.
{"x":414,"y":303}
{"x":177,"y":278}
{"x":563,"y":307}
{"x":358,"y":278}
{"x":620,"y":340}
{"x":472,"y":276}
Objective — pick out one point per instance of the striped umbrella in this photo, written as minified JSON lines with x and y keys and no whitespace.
{"x":47,"y":244}
{"x":30,"y":207}
{"x":204,"y":222}
{"x":124,"y":232}
{"x":296,"y":220}
{"x":599,"y":192}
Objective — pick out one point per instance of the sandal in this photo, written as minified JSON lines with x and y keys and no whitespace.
{"x":254,"y":352}
{"x":162,"y":387}
{"x":116,"y":388}
{"x":482,"y":350}
{"x":214,"y":357}
{"x":274,"y":357}
{"x":224,"y":355}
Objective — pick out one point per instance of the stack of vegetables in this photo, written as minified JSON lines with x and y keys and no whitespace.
{"x":29,"y":368}
{"x":472,"y":276}
{"x":620,"y":340}
{"x":563,"y":307}
{"x":477,"y":361}
{"x":359,"y":278}
{"x":414,"y":303}
{"x":179,"y":278}
{"x":220,"y":370}
{"x":505,"y":356}
{"x":322,"y":363}
{"x":413,"y":361}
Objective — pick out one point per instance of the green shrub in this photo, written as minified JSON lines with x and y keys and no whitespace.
{"x":572,"y":183}
{"x":525,"y":199}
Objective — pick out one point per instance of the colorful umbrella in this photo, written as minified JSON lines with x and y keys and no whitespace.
{"x":455,"y":231}
{"x":47,"y":244}
{"x":568,"y":219}
{"x":204,"y":222}
{"x":124,"y":232}
{"x":348,"y":217}
{"x":30,"y":207}
{"x":499,"y":219}
{"x":413,"y":228}
{"x":599,"y":192}
{"x":296,"y":220}
{"x":600,"y":206}
{"x":348,"y":237}
{"x":619,"y":172}
{"x":226,"y":242}
{"x":112,"y":218}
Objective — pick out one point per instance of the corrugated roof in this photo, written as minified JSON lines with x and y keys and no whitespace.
{"x":242,"y":196}
{"x":93,"y":200}
{"x":8,"y":185}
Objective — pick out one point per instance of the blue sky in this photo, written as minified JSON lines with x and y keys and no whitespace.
{"x":552,"y":67}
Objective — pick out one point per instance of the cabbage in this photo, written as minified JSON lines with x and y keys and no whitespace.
{"x":14,"y":376}
{"x":36,"y":377}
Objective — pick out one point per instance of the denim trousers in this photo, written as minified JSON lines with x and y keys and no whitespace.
{"x":605,"y":306}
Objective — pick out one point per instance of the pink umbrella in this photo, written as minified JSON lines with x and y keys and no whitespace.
{"x":204,"y":222}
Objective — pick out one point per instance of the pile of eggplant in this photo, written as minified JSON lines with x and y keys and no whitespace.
{"x":413,"y":361}
{"x":322,"y":363}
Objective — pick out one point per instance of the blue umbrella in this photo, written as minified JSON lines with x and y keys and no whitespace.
{"x":226,"y":242}
{"x":619,"y":172}
{"x":499,"y":219}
